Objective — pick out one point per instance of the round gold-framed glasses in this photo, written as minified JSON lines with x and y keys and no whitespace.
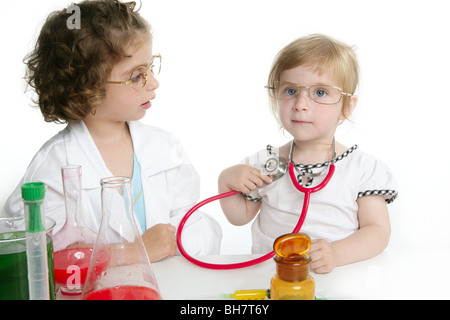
{"x":138,"y":78}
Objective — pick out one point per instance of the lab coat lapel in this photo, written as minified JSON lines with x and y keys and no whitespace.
{"x":156,"y":153}
{"x":155,"y":150}
{"x":81,"y":150}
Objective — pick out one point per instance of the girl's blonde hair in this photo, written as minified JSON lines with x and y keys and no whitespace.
{"x":324,"y":54}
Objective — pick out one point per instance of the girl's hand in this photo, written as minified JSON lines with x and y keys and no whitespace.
{"x":160,"y":242}
{"x":243,"y":178}
{"x":324,"y":258}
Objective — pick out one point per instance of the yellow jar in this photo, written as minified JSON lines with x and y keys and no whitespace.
{"x":292,"y":280}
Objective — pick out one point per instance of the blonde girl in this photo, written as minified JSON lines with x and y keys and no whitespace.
{"x":312,"y":87}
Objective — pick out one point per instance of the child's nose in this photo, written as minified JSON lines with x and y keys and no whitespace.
{"x":152,"y":84}
{"x":302,"y":99}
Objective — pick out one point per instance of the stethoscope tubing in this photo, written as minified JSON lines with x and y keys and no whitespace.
{"x":228,"y":266}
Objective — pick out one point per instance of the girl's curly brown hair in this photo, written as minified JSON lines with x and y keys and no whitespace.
{"x":68,"y":68}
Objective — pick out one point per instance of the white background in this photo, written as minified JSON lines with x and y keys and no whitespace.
{"x":216,"y":59}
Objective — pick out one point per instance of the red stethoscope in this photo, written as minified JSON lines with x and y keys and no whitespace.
{"x":306,"y":191}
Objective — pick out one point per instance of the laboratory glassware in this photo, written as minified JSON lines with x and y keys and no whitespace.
{"x":292,"y":280}
{"x":74,"y":243}
{"x":13,"y":258}
{"x":120,"y":268}
{"x":36,"y":241}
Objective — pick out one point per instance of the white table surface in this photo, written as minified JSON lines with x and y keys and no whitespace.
{"x":390,"y":275}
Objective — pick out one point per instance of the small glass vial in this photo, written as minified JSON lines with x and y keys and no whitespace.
{"x":292,"y":280}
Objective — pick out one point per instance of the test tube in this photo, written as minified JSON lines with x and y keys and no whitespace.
{"x":36,"y":241}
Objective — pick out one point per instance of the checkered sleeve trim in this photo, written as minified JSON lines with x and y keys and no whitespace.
{"x":389,"y":195}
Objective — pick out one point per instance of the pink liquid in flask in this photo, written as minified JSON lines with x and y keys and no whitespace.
{"x":70,"y":261}
{"x":124,"y":293}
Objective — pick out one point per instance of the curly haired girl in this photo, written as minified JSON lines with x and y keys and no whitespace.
{"x":99,"y":79}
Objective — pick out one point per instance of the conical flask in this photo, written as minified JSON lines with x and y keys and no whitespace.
{"x":120,"y":268}
{"x":74,"y":243}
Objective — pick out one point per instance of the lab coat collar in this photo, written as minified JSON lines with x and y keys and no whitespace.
{"x":155,"y":150}
{"x":81,"y":150}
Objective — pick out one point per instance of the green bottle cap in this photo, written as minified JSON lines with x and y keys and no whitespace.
{"x":33,"y":191}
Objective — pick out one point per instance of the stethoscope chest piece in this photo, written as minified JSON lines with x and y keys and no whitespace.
{"x":276,"y":167}
{"x":270,"y":163}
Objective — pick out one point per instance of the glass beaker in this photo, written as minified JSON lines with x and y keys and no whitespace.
{"x":13,"y":258}
{"x":120,"y":268}
{"x":74,"y":243}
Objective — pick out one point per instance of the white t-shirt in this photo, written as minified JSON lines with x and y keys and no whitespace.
{"x":333,"y":211}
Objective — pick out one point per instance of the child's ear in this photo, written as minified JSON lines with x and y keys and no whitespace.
{"x":347,"y":112}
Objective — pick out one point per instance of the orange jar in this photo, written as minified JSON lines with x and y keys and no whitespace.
{"x":292,"y":280}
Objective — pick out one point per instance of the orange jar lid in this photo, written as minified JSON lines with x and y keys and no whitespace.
{"x":292,"y":244}
{"x":291,"y":256}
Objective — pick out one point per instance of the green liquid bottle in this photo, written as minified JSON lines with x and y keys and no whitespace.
{"x":13,"y":263}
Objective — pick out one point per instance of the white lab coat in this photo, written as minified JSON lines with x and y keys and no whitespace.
{"x":170,"y":183}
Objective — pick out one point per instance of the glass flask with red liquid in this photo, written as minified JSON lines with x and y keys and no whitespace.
{"x":120,"y":268}
{"x":73,"y":244}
